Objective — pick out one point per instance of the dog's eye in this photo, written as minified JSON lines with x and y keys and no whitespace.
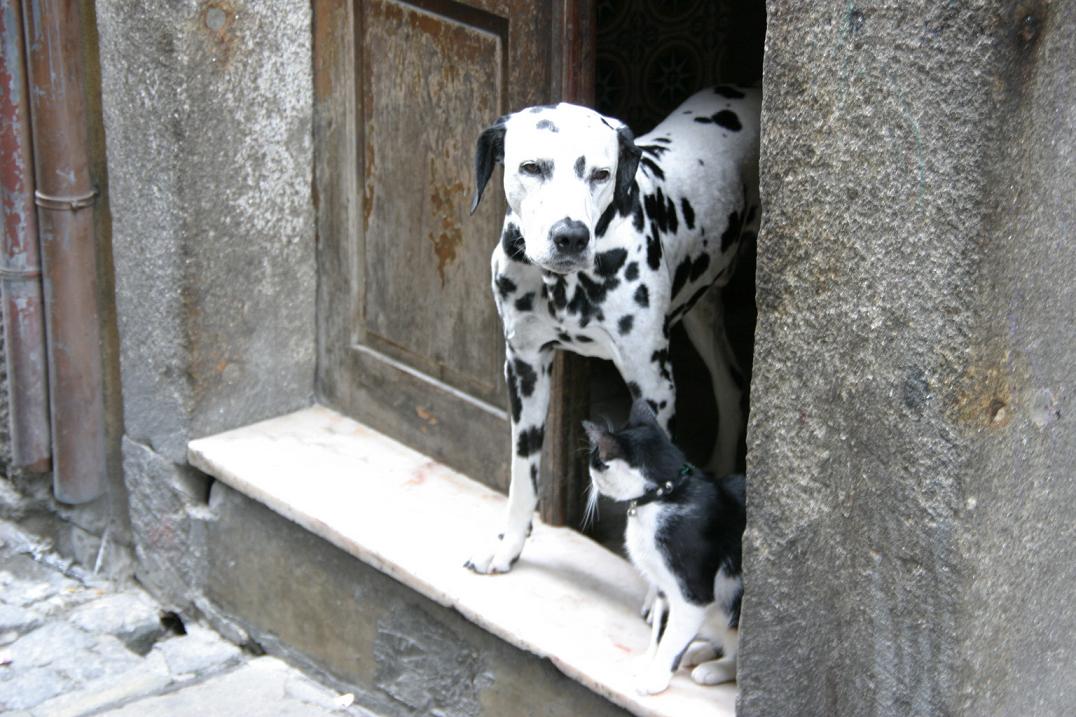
{"x":599,"y":175}
{"x":530,"y":168}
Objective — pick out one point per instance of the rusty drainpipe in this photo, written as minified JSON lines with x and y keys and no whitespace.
{"x":65,"y":199}
{"x":20,"y":263}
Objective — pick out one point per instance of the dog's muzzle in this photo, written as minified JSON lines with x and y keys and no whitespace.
{"x":570,"y":238}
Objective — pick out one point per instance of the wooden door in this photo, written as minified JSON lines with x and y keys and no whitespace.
{"x":409,"y":340}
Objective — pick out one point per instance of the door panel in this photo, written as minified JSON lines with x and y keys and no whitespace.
{"x":410,"y":342}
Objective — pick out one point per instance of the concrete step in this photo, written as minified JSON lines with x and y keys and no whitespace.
{"x":406,"y":624}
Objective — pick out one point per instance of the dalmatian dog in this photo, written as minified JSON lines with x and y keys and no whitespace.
{"x":609,"y":241}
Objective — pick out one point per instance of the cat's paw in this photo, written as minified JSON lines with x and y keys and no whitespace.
{"x":714,"y":672}
{"x":499,"y":559}
{"x":652,"y":681}
{"x":697,"y":653}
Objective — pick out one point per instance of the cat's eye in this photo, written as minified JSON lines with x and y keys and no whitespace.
{"x":531,"y":169}
{"x":599,"y":175}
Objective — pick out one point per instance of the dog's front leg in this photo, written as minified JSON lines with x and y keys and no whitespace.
{"x":527,"y":375}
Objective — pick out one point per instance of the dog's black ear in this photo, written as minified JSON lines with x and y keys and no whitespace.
{"x":488,"y":152}
{"x":626,"y":165}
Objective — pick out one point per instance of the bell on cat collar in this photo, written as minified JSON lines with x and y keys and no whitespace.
{"x":632,"y":508}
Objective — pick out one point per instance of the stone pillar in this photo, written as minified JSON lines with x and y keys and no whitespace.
{"x":911,"y":543}
{"x":208,"y":120}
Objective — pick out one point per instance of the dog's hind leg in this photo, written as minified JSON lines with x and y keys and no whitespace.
{"x":528,"y":381}
{"x":705,"y":327}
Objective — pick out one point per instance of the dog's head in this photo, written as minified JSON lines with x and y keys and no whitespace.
{"x":564,"y":167}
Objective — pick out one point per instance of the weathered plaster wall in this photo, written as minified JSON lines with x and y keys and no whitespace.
{"x":207,"y":109}
{"x":911,"y":548}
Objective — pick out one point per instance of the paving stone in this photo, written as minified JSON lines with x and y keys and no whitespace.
{"x":149,"y":676}
{"x":129,"y":616}
{"x":197,"y":652}
{"x":28,"y":688}
{"x":257,"y":689}
{"x":107,"y":657}
{"x":17,"y":619}
{"x":48,"y":643}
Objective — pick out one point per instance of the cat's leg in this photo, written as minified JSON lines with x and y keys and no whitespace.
{"x":647,"y":610}
{"x":705,"y":327}
{"x":658,"y":612}
{"x":698,"y":652}
{"x":684,"y":622}
{"x":714,"y":672}
{"x":527,"y":375}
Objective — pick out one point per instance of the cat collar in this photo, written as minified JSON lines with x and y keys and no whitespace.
{"x":666,"y":488}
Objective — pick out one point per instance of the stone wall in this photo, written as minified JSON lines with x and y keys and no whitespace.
{"x":910,"y":546}
{"x":207,"y":109}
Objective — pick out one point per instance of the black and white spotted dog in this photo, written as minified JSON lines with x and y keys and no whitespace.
{"x":608,"y":242}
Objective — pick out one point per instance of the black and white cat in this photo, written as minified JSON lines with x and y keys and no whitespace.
{"x":684,"y":534}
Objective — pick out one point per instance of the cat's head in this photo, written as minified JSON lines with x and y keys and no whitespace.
{"x":627,"y":462}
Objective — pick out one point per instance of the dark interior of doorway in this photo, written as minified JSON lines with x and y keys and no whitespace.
{"x":651,"y":55}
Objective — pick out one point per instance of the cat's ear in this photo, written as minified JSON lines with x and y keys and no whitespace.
{"x":594,"y":432}
{"x":608,"y":448}
{"x":642,"y":415}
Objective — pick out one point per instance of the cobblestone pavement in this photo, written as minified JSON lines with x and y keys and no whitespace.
{"x":72,"y":644}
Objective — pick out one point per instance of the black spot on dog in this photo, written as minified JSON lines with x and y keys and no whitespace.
{"x":530,"y":441}
{"x":730,"y":93}
{"x":699,"y":266}
{"x":583,"y":339}
{"x":653,"y":405}
{"x":683,"y":271}
{"x":514,"y":401}
{"x":505,"y":286}
{"x":654,"y":150}
{"x":701,"y":163}
{"x":637,"y":218}
{"x":625,"y":324}
{"x":728,"y":120}
{"x":642,"y":296}
{"x":724,"y":118}
{"x":689,"y":213}
{"x":608,"y":263}
{"x":513,"y":245}
{"x":732,"y":231}
{"x":534,"y":478}
{"x":545,"y":166}
{"x":580,"y":166}
{"x":665,"y":140}
{"x":563,"y":337}
{"x":560,"y":297}
{"x":525,"y":302}
{"x":604,"y":220}
{"x":632,"y":272}
{"x":661,"y":358}
{"x":653,"y":251}
{"x":634,"y":390}
{"x":546,"y":124}
{"x":653,"y":167}
{"x":526,"y":376}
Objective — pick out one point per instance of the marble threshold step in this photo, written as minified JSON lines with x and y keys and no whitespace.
{"x":567,"y":599}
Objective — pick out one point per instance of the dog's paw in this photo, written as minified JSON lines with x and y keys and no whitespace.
{"x":714,"y":672}
{"x":490,"y":562}
{"x":652,"y":681}
{"x":697,"y":653}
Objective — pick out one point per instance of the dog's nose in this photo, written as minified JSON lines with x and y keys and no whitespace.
{"x":569,"y":236}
